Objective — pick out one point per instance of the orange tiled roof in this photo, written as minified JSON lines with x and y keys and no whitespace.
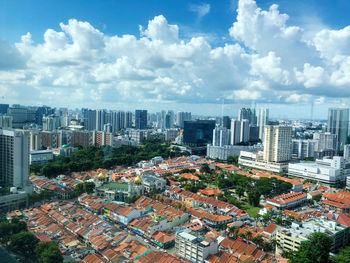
{"x":189,"y":176}
{"x":286,"y":198}
{"x":210,"y":191}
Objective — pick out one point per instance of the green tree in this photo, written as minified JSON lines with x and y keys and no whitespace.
{"x":254,"y":197}
{"x":315,"y":250}
{"x":48,"y":252}
{"x":232,"y":159}
{"x":23,"y":242}
{"x":343,"y":257}
{"x":85,"y":187}
{"x":239,"y":191}
{"x":204,"y":168}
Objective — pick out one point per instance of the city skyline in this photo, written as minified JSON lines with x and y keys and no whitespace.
{"x":164,"y":60}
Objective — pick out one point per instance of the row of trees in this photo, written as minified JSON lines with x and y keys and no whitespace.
{"x":254,"y":188}
{"x":25,"y":245}
{"x":105,"y":157}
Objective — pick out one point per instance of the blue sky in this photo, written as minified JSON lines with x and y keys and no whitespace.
{"x":182,"y":57}
{"x":17,"y":17}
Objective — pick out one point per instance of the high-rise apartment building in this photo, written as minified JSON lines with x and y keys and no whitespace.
{"x":235,"y":131}
{"x":263,"y":117}
{"x":14,"y":158}
{"x":35,"y":140}
{"x":128,"y":120}
{"x":221,"y":136}
{"x":338,"y":121}
{"x":50,"y":123}
{"x":277,"y":143}
{"x":247,"y":114}
{"x":244,"y":131}
{"x":100,"y":119}
{"x":89,"y":117}
{"x":303,"y":148}
{"x":326,"y":144}
{"x":141,"y":119}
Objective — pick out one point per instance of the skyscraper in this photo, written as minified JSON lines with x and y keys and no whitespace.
{"x":263,"y":117}
{"x":100,"y":119}
{"x":181,"y":117}
{"x":338,"y":120}
{"x":248,"y":114}
{"x":235,"y":131}
{"x":50,"y":123}
{"x":226,"y":122}
{"x":89,"y":117}
{"x":14,"y":158}
{"x":3,"y":108}
{"x":199,"y":132}
{"x":221,"y":136}
{"x":128,"y":119}
{"x":141,"y":119}
{"x":277,"y":143}
{"x":244,"y":131}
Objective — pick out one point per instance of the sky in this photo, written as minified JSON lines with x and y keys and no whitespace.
{"x":208,"y":57}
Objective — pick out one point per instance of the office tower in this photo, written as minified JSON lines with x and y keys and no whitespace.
{"x":41,"y":112}
{"x":226,"y":122}
{"x":347,"y":152}
{"x":244,"y":131}
{"x":3,"y":108}
{"x":128,"y":119}
{"x":277,"y":143}
{"x":263,"y":117}
{"x":100,"y":120}
{"x":14,"y":158}
{"x":338,"y":120}
{"x":50,"y":123}
{"x":247,"y":114}
{"x":199,"y":132}
{"x":235,"y":131}
{"x":21,"y":116}
{"x":221,"y":136}
{"x":141,"y":119}
{"x":181,"y":117}
{"x":5,"y":122}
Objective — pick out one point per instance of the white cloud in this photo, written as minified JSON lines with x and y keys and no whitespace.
{"x":270,"y":61}
{"x":200,"y":9}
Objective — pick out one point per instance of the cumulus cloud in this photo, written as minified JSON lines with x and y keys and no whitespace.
{"x":200,"y":9}
{"x":267,"y":60}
